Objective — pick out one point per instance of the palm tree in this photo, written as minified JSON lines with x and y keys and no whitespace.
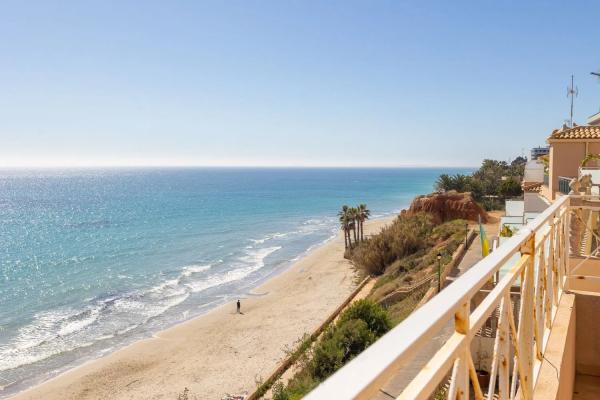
{"x":345,"y":224}
{"x":358,"y":220}
{"x":353,"y":214}
{"x":363,"y":215}
{"x":444,"y":183}
{"x":351,"y":227}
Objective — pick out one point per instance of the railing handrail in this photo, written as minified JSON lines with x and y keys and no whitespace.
{"x":364,"y":375}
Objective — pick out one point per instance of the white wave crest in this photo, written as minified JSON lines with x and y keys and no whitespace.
{"x":255,"y":260}
{"x":195,"y":269}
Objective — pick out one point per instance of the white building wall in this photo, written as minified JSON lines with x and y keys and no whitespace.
{"x":515,"y":208}
{"x":534,"y":172}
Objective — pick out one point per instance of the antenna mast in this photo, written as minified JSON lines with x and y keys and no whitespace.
{"x":597,"y":74}
{"x":572,"y":92}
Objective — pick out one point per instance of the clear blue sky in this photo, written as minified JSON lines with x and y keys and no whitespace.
{"x":377,"y":83}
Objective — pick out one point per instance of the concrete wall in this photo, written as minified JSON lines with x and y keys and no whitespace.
{"x":534,"y":172}
{"x":565,"y":159}
{"x":514,"y":208}
{"x":482,"y":350}
{"x":534,"y":203}
{"x":545,"y":192}
{"x":583,"y":274}
{"x":559,"y":357}
{"x":593,"y":148}
{"x":588,"y":334}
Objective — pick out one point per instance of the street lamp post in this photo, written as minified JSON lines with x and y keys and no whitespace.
{"x":439,"y":258}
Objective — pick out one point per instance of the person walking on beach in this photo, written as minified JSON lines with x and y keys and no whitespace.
{"x":239,"y":307}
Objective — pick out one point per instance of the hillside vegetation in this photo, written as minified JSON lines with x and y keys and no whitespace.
{"x":401,"y":253}
{"x":408,"y":244}
{"x":406,"y":252}
{"x":360,"y":325}
{"x":492,"y":182}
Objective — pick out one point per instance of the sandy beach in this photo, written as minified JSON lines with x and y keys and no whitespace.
{"x":219,"y":352}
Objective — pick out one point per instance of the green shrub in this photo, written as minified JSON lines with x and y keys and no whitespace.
{"x":354,"y":336}
{"x":510,"y":187}
{"x":371,"y":313}
{"x":491,"y":204}
{"x":280,"y":392}
{"x":506,"y":231}
{"x":405,"y":236}
{"x":346,"y":341}
{"x":450,"y":229}
{"x":328,"y":357}
{"x":357,"y":328}
{"x":300,"y":385}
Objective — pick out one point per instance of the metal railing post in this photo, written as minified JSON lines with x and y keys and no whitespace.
{"x":526,"y":321}
{"x":459,"y":387}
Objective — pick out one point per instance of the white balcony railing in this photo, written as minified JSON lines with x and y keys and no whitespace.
{"x":542,"y":248}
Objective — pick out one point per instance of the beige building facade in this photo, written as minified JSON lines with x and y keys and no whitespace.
{"x":568,"y":148}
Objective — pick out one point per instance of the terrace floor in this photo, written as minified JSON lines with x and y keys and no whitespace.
{"x":587,"y":387}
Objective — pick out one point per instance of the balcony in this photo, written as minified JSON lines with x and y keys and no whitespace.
{"x":549,"y":284}
{"x":563,"y":184}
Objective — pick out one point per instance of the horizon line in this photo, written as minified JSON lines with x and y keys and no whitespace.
{"x":245,"y":166}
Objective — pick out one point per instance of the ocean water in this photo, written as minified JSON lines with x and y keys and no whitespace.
{"x":91,"y":260}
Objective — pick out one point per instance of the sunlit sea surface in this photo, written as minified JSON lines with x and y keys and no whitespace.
{"x":91,"y":260}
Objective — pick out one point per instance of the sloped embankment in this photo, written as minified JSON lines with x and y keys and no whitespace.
{"x":448,"y":206}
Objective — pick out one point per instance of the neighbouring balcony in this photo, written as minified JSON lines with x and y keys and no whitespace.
{"x":533,"y":303}
{"x":563,"y":184}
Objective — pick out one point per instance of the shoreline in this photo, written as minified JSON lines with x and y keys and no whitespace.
{"x":220,"y":352}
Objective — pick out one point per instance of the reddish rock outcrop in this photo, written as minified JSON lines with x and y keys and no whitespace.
{"x":448,"y":206}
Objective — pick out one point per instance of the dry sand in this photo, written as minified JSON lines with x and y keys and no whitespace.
{"x":220,"y":352}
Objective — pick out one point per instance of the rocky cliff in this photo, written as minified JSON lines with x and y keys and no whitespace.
{"x":447,"y":206}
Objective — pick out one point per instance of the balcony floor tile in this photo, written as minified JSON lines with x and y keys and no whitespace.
{"x":587,"y":387}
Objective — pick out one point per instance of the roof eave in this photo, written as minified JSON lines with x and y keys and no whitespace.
{"x":566,"y":140}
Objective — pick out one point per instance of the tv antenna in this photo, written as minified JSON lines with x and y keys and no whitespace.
{"x":597,"y":74}
{"x":572,"y":92}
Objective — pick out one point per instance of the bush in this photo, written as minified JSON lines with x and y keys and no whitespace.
{"x":354,"y":336}
{"x":301,"y":384}
{"x":506,"y":231}
{"x":279,"y":392}
{"x":328,"y":357}
{"x":342,"y":344}
{"x":371,"y":313}
{"x":449,"y":229}
{"x":358,"y":327}
{"x":491,"y":204}
{"x":405,"y":236}
{"x":510,"y":188}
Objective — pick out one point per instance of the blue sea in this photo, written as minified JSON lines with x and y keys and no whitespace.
{"x":94,"y":259}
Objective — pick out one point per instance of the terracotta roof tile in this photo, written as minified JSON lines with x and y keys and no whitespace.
{"x":531,"y":186}
{"x":577,"y":132}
